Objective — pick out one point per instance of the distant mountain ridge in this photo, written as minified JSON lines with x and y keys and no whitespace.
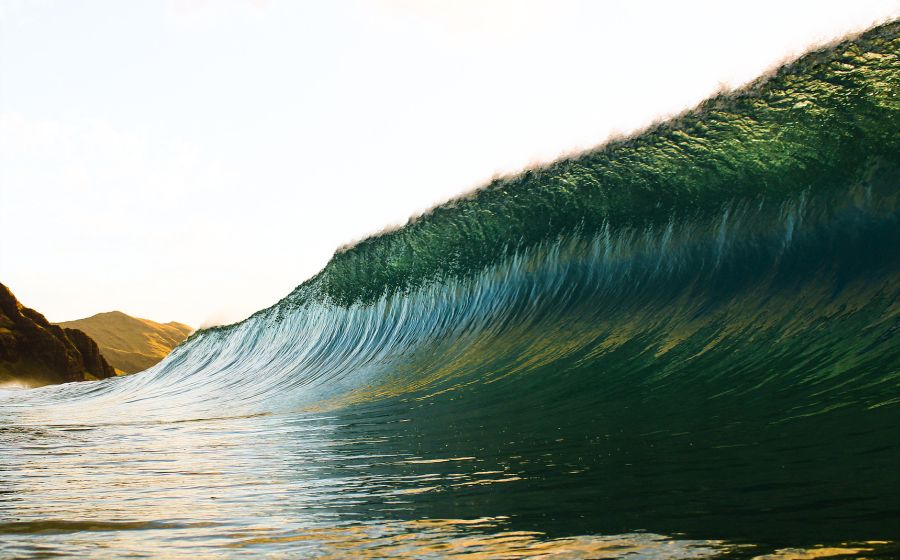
{"x":35,"y":352}
{"x":131,"y":344}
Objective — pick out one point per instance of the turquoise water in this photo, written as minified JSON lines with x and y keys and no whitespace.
{"x":683,"y":345}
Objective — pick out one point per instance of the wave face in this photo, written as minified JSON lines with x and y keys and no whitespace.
{"x":691,"y":332}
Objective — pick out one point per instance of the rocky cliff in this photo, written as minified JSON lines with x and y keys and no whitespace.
{"x":34,"y":352}
{"x":131,"y":344}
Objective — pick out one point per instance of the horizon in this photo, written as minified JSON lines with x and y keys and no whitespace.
{"x":168,"y":267}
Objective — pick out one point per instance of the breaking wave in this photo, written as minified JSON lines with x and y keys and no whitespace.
{"x":699,"y":322}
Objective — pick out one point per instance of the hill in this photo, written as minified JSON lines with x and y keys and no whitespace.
{"x":35,"y":352}
{"x":131,"y":344}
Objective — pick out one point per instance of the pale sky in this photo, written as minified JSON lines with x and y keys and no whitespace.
{"x":195,"y":160}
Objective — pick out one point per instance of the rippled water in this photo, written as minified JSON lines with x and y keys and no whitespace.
{"x":307,"y":485}
{"x":372,"y":484}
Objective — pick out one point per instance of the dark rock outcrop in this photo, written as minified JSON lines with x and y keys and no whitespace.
{"x":34,"y":352}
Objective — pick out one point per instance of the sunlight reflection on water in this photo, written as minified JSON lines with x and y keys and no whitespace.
{"x":287,"y":484}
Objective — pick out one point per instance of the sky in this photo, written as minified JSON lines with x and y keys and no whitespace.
{"x":195,"y":160}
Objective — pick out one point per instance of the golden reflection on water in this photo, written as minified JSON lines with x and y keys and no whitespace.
{"x":823,"y":551}
{"x":474,"y":539}
{"x":484,"y":538}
